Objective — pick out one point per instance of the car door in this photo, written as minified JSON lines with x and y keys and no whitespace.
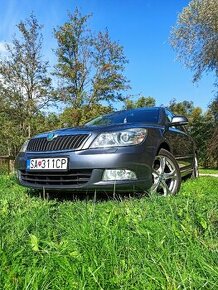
{"x":180,"y":142}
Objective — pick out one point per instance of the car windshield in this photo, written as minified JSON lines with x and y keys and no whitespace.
{"x":125,"y":117}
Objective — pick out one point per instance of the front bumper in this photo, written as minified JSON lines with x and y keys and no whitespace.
{"x":90,"y":163}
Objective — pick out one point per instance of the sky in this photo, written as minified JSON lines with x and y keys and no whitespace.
{"x":142,"y":27}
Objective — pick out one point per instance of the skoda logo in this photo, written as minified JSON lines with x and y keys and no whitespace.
{"x":51,"y":136}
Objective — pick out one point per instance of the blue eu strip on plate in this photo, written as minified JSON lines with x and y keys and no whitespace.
{"x":28,"y":164}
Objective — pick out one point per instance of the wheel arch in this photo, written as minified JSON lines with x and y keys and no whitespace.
{"x":163,"y":145}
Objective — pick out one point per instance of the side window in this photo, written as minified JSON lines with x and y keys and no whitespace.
{"x":169,"y":115}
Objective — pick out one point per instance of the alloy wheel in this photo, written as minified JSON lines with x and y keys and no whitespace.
{"x":165,"y":176}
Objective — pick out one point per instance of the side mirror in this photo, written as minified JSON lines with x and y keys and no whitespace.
{"x":179,"y":120}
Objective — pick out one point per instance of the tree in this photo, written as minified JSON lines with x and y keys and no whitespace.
{"x":139,"y":103}
{"x":213,"y":108}
{"x":201,"y":128}
{"x":181,"y":108}
{"x":212,"y":146}
{"x":195,"y":37}
{"x":79,"y":116}
{"x":90,"y":67}
{"x":25,"y":86}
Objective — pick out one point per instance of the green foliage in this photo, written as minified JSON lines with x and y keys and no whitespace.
{"x":185,"y":108}
{"x":146,"y":243}
{"x":139,"y":103}
{"x":208,"y":171}
{"x":213,"y":108}
{"x":89,"y":67}
{"x":24,"y":84}
{"x":73,"y":52}
{"x":195,"y":37}
{"x":75,"y":117}
{"x":202,"y":127}
{"x":212,"y":148}
{"x":195,"y":40}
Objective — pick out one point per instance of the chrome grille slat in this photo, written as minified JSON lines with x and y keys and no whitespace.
{"x":72,"y":141}
{"x":78,"y":142}
{"x":64,"y":142}
{"x":68,"y":142}
{"x":59,"y":143}
{"x":36,"y":143}
{"x":53,"y":144}
{"x":59,"y":140}
{"x":41,"y":145}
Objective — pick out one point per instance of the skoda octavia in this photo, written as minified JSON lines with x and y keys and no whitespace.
{"x":133,"y":150}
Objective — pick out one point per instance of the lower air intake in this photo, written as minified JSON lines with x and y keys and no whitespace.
{"x":72,"y":177}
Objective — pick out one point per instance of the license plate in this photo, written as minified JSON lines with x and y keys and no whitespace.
{"x":47,"y":164}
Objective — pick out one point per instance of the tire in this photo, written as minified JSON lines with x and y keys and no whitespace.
{"x":166,"y":174}
{"x":195,"y":171}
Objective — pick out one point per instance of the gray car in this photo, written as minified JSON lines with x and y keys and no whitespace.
{"x":132,"y":150}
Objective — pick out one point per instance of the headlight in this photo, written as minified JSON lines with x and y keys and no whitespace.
{"x":24,"y":146}
{"x":120,"y":138}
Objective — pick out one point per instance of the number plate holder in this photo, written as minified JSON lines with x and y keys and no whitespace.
{"x":55,"y":163}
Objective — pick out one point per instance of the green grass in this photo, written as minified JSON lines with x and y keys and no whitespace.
{"x":147,"y":243}
{"x":208,"y":171}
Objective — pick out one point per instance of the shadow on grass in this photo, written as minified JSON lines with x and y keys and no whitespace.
{"x":95,"y":196}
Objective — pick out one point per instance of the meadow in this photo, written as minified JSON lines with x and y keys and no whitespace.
{"x":208,"y":171}
{"x":126,"y":243}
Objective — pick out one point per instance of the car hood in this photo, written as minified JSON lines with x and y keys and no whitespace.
{"x":96,"y":129}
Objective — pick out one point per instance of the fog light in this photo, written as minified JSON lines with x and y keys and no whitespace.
{"x":119,"y":174}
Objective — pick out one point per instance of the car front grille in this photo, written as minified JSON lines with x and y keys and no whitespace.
{"x":72,"y":177}
{"x":59,"y":143}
